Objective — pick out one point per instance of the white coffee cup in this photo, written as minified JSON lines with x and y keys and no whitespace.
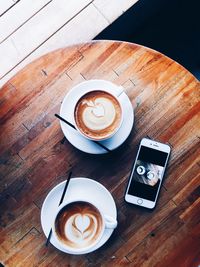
{"x":112,"y":132}
{"x":107,"y":222}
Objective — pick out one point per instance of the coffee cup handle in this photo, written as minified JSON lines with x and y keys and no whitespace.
{"x":110,"y":222}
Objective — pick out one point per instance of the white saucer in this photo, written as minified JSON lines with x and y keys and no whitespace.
{"x":85,"y":189}
{"x":79,"y":141}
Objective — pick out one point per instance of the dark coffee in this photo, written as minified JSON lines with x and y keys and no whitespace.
{"x":78,"y":224}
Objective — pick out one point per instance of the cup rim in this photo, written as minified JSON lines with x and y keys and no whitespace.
{"x":85,"y":135}
{"x":78,"y":250}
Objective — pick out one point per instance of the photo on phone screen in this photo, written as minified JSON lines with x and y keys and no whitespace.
{"x":148,"y":173}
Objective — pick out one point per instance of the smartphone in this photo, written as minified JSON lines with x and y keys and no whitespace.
{"x":147,"y":173}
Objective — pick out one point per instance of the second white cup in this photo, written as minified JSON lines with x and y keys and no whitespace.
{"x":79,"y":225}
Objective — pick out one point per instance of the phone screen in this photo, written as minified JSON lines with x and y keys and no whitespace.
{"x":148,"y":173}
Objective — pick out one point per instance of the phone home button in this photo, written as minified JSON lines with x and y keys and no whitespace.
{"x":139,"y":201}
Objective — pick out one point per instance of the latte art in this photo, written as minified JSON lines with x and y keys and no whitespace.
{"x":98,"y":114}
{"x":80,"y":229}
{"x":79,"y":224}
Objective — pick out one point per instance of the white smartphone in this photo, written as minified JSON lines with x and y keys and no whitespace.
{"x":147,"y":173}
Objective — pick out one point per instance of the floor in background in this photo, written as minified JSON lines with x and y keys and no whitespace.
{"x":169,"y":26}
{"x":29,"y":28}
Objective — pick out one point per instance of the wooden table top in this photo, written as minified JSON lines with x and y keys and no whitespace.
{"x":34,"y":157}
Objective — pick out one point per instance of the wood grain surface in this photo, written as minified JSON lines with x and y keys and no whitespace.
{"x":26,"y":32}
{"x":34,"y":157}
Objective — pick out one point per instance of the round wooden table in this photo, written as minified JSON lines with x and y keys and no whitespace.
{"x":34,"y":156}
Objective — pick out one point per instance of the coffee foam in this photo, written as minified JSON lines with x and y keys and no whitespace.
{"x":98,"y":114}
{"x":78,"y":225}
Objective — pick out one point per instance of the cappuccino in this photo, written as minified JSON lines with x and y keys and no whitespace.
{"x":98,"y":115}
{"x":78,"y":224}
